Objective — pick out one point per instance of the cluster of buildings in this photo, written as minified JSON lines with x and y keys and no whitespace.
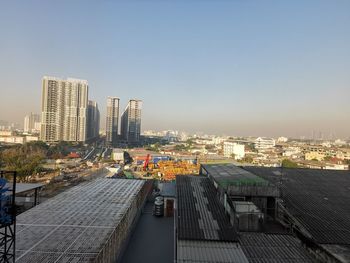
{"x":68,"y":114}
{"x":130,"y":123}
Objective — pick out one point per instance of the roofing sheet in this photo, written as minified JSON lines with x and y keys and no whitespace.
{"x":209,"y":251}
{"x":24,"y":187}
{"x":75,"y":225}
{"x":318,"y":199}
{"x":200,"y":215}
{"x":262,"y":248}
{"x":229,"y":174}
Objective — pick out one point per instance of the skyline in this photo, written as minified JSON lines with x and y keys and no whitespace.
{"x":240,"y":68}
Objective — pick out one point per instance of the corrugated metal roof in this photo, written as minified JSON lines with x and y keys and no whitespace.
{"x":24,"y":187}
{"x":229,"y":174}
{"x":318,"y":199}
{"x":200,"y":215}
{"x":261,"y":248}
{"x":77,"y":224}
{"x":209,"y":251}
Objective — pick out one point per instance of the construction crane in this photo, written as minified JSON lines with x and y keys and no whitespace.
{"x":145,"y":165}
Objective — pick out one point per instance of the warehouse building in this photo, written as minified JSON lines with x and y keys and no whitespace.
{"x":90,"y":222}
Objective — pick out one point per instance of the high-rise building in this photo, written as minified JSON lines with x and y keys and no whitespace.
{"x":93,"y":120}
{"x":131,"y":122}
{"x":64,"y":109}
{"x":112,"y":120}
{"x":31,"y":122}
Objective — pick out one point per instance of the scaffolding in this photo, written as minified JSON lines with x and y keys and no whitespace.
{"x":7,"y":216}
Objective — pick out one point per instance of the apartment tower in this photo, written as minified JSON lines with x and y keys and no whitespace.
{"x":93,"y":120}
{"x":64,"y":109}
{"x":31,"y":122}
{"x":131,"y":122}
{"x":112,"y":120}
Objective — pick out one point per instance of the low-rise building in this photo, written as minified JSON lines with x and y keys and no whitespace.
{"x":264,"y":143}
{"x":233,"y":149}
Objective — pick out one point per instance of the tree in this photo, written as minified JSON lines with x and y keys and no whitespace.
{"x":25,"y":159}
{"x":247,"y":159}
{"x":286,"y":163}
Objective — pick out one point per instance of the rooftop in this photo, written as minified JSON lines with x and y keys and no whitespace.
{"x":318,"y":199}
{"x":229,"y":174}
{"x":261,"y":248}
{"x":200,"y":216}
{"x":76,"y":225}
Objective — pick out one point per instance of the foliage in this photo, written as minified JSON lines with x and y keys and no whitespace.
{"x":25,"y":159}
{"x":247,"y":159}
{"x":286,"y":163}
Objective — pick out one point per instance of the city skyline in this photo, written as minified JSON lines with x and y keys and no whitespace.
{"x":258,"y":69}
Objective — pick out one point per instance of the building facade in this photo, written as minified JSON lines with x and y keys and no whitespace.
{"x":131,"y":122}
{"x":31,"y":122}
{"x":264,"y":143}
{"x":232,"y":149}
{"x":64,"y":109}
{"x":112,"y":121}
{"x":93,"y":120}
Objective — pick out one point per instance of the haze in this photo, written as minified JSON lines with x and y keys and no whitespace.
{"x":265,"y":68}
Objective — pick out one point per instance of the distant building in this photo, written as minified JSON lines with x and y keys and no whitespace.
{"x":264,"y":143}
{"x":112,"y":120}
{"x":131,"y":122}
{"x":118,"y":155}
{"x":31,"y":122}
{"x":234,"y":149}
{"x":282,"y":139}
{"x":64,"y":109}
{"x":93,"y":120}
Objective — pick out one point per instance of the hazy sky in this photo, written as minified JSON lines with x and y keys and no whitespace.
{"x":226,"y":67}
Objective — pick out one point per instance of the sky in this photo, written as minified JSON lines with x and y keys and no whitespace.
{"x":239,"y":67}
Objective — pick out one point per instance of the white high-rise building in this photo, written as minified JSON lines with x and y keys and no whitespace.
{"x":131,"y":122}
{"x":31,"y":122}
{"x":64,"y":109}
{"x":112,"y":121}
{"x":232,"y":149}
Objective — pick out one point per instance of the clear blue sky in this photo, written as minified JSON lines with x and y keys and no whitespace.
{"x":227,"y":67}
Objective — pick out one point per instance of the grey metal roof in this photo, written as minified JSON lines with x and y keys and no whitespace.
{"x":261,"y":248}
{"x":318,"y":199}
{"x":209,"y":251}
{"x":200,"y":215}
{"x":24,"y":187}
{"x":78,"y":224}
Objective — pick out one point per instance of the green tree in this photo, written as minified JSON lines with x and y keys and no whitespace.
{"x":25,"y":159}
{"x":286,"y":163}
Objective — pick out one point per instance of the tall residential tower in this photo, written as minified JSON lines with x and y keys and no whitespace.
{"x":93,"y":120}
{"x":31,"y":123}
{"x":112,"y":120}
{"x":131,"y":122}
{"x":64,"y":109}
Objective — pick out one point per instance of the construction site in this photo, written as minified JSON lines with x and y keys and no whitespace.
{"x":162,"y":167}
